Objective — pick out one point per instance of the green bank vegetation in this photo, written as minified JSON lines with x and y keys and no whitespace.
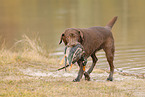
{"x":14,"y":82}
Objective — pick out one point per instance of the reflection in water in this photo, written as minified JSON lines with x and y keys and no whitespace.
{"x":51,"y":17}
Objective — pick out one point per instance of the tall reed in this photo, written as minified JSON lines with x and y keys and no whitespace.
{"x":27,"y":49}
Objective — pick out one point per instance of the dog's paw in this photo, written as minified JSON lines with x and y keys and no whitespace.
{"x":110,"y":79}
{"x":76,"y":80}
{"x":87,"y":77}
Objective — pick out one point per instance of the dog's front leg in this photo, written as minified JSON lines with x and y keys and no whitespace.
{"x":80,"y":73}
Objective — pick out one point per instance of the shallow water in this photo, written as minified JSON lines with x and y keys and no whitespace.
{"x":129,"y":59}
{"x":49,"y":18}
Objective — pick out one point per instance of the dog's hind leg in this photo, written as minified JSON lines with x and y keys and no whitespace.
{"x":95,"y":59}
{"x":110,"y":57}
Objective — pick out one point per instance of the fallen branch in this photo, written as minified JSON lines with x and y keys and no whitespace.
{"x":62,"y":67}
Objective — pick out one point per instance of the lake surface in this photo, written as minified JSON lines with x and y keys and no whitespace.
{"x":50,"y":18}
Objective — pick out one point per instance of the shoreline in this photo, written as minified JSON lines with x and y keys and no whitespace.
{"x":40,"y":79}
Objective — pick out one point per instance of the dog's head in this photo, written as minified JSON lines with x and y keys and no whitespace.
{"x":72,"y":37}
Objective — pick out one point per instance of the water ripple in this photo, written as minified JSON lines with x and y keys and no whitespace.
{"x":129,"y":58}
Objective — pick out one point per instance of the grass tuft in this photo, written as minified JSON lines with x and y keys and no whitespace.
{"x":27,"y":44}
{"x":28,"y":49}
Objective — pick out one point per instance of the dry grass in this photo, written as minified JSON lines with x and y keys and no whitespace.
{"x":15,"y":83}
{"x":32,"y":55}
{"x":25,"y":50}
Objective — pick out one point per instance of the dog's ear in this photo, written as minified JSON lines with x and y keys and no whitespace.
{"x":62,"y":38}
{"x":62,"y":35}
{"x":81,"y":36}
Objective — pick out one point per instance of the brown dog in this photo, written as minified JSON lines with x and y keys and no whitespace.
{"x":92,"y":39}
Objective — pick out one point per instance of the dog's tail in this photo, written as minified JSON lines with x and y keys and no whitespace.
{"x":111,"y":23}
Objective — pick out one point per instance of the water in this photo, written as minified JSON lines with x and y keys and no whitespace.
{"x":50,"y":18}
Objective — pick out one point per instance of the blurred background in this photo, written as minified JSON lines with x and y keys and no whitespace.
{"x":50,"y":18}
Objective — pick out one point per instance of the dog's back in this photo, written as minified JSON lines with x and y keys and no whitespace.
{"x":96,"y":37}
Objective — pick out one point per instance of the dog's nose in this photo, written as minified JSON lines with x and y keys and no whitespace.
{"x":71,"y":44}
